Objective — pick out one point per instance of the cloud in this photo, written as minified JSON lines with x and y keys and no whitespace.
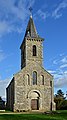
{"x":59,"y":71}
{"x":2,"y":55}
{"x":61,"y":82}
{"x":65,"y":72}
{"x":60,"y":78}
{"x":64,"y":60}
{"x":52,"y":72}
{"x":54,"y":12}
{"x":13,"y":14}
{"x":57,"y":13}
{"x":63,"y":66}
{"x":55,"y":61}
{"x":42,"y":14}
{"x":6,"y":27}
{"x":3,"y":85}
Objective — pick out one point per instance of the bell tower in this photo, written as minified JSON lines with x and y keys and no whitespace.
{"x":31,"y":47}
{"x":32,"y":87}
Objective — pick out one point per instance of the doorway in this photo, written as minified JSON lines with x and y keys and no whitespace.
{"x":35,"y":104}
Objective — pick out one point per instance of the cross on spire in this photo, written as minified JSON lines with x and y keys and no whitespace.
{"x":30,"y":9}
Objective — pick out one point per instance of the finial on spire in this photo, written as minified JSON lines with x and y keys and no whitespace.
{"x":30,"y":9}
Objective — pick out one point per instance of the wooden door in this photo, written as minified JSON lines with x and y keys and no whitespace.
{"x":34,"y":104}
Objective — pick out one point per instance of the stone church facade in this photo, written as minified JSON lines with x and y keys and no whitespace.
{"x":32,"y":87}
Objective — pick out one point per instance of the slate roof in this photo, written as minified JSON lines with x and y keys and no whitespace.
{"x":31,"y":29}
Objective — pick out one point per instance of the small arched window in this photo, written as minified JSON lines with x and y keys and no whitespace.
{"x":28,"y":79}
{"x":42,"y":80}
{"x":34,"y":78}
{"x":34,"y":50}
{"x":51,"y":83}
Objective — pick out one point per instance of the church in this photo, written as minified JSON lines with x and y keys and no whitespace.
{"x":31,"y":89}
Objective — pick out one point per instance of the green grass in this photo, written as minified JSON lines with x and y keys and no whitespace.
{"x":61,"y":115}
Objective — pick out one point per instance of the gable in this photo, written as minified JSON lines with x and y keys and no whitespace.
{"x":22,"y":76}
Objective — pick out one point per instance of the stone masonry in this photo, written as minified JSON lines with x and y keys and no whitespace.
{"x":32,"y":87}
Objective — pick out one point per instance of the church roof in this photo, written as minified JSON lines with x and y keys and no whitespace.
{"x":31,"y":29}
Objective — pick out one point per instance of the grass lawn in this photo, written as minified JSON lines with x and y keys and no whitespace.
{"x":61,"y":115}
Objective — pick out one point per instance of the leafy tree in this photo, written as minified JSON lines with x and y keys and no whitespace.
{"x":64,"y":105}
{"x":60,"y":100}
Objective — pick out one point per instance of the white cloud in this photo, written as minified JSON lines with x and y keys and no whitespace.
{"x":15,"y":8}
{"x":42,"y":14}
{"x":6,"y":27}
{"x":64,"y":60}
{"x":60,"y":60}
{"x":55,"y":61}
{"x":65,"y":72}
{"x":63,"y":66}
{"x":60,"y":78}
{"x":3,"y":85}
{"x":61,"y":82}
{"x":57,"y":12}
{"x":2,"y":55}
{"x":13,"y":14}
{"x":52,"y":72}
{"x":59,"y":71}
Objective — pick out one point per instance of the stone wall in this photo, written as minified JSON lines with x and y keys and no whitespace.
{"x":29,"y":51}
{"x":22,"y":90}
{"x":10,"y":95}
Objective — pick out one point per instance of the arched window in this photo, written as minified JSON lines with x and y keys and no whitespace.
{"x":34,"y":50}
{"x":34,"y":78}
{"x":42,"y":80}
{"x":28,"y":79}
{"x":51,"y":83}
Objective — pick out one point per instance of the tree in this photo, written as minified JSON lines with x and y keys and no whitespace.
{"x":2,"y":103}
{"x":0,"y":98}
{"x":60,"y":94}
{"x":60,"y":100}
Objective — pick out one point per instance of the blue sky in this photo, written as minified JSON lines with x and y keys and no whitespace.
{"x":50,"y":18}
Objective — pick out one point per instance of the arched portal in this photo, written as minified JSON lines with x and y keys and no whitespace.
{"x":34,"y":97}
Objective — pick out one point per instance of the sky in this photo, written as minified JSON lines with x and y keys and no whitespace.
{"x":50,"y":18}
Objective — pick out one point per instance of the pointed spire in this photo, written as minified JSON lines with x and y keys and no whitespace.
{"x":30,"y":9}
{"x":31,"y":29}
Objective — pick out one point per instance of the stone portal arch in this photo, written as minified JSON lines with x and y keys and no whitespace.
{"x":35,"y":100}
{"x":36,"y":91}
